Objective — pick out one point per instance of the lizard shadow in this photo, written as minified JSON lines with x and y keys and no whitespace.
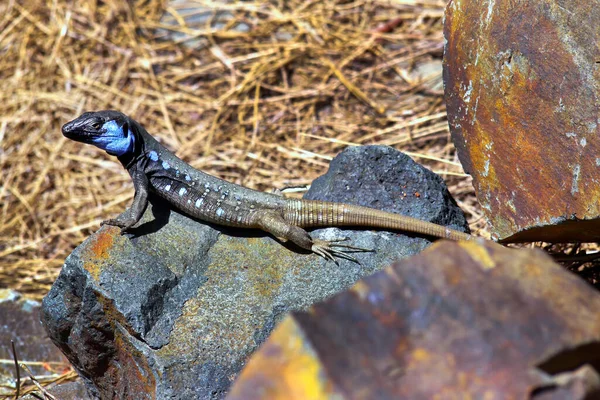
{"x":245,"y":233}
{"x":161,"y":211}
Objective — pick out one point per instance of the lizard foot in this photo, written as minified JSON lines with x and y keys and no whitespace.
{"x":329,"y":249}
{"x":124,"y":225}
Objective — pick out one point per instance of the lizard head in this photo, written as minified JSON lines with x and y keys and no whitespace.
{"x":108,"y":130}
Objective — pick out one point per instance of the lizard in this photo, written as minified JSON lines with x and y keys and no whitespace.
{"x":153,"y":168}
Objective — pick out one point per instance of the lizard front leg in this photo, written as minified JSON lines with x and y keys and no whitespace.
{"x":133,"y":214}
{"x":275,"y":224}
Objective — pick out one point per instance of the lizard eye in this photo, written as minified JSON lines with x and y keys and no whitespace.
{"x":96,"y":125}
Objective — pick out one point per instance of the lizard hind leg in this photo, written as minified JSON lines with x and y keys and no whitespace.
{"x":284,"y":231}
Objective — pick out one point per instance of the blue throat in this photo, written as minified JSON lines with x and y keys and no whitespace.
{"x":114,"y":141}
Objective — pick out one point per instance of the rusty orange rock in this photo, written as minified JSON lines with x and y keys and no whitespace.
{"x":98,"y":251}
{"x":460,"y":320}
{"x":522,"y":86}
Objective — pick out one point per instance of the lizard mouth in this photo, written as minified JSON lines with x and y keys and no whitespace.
{"x":79,"y":134}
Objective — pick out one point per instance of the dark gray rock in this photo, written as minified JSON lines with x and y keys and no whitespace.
{"x":384,"y":178}
{"x":174,"y":308}
{"x":459,"y":321}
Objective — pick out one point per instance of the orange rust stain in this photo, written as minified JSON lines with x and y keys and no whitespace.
{"x":97,"y":251}
{"x":129,"y":366}
{"x":421,"y":355}
{"x":361,"y":289}
{"x":101,"y":243}
{"x":132,"y":370}
{"x":479,"y":254}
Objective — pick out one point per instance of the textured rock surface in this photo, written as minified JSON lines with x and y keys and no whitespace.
{"x":388,"y":180}
{"x":172,"y":310}
{"x":522,"y":89}
{"x":460,"y":320}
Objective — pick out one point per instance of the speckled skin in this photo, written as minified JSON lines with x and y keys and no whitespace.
{"x":153,"y":167}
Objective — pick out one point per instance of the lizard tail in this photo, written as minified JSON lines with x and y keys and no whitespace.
{"x":314,"y":213}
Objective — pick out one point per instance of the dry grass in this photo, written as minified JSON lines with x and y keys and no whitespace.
{"x":266,"y":108}
{"x":32,"y":385}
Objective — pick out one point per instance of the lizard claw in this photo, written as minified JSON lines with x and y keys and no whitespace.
{"x":124,"y":225}
{"x":336,"y":243}
{"x":327,"y":249}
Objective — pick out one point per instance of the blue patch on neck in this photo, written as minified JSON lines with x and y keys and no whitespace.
{"x":114,"y":141}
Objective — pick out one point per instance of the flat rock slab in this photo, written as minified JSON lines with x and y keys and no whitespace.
{"x":460,"y":320}
{"x":522,"y":88}
{"x":174,"y":308}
